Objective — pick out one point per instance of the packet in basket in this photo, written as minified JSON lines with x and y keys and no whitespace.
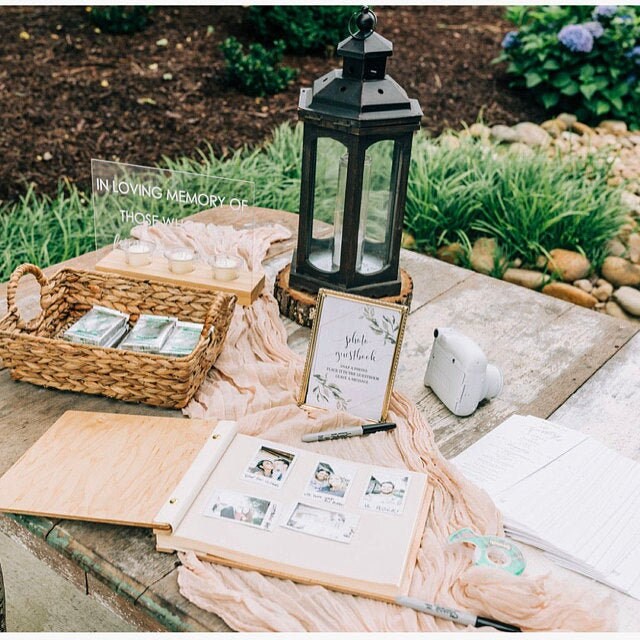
{"x":149,"y":334}
{"x":100,"y":326}
{"x":183,"y":339}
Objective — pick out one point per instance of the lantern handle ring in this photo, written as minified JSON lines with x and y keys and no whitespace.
{"x":367,"y":19}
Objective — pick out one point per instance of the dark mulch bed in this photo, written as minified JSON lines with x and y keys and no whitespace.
{"x":53,"y":104}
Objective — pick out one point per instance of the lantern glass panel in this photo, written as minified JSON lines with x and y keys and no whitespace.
{"x":378,"y":218}
{"x":326,"y":201}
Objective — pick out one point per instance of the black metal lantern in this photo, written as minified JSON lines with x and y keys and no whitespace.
{"x":358,"y":128}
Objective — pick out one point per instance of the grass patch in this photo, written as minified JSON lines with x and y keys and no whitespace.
{"x":530,"y":204}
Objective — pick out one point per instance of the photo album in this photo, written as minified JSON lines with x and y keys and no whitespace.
{"x":231,"y":498}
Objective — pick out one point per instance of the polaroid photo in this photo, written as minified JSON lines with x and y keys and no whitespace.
{"x":330,"y":482}
{"x":242,"y":508}
{"x":386,"y":491}
{"x":269,"y":466}
{"x":322,"y":523}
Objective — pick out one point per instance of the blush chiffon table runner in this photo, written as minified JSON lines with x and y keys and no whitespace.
{"x":255,"y":381}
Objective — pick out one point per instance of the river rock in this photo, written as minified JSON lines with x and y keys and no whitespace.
{"x":620,"y":272}
{"x":569,"y":265}
{"x":568,"y":118}
{"x":479,"y":130}
{"x":532,"y":134}
{"x":634,"y":247}
{"x":583,"y":129}
{"x":449,"y":141}
{"x":603,"y":290}
{"x":451,"y":253}
{"x":631,"y":201}
{"x":483,"y":255}
{"x":629,"y":299}
{"x":521,"y":149}
{"x":616,"y":248}
{"x":526,"y":278}
{"x":408,"y":241}
{"x":614,"y":310}
{"x":570,"y":293}
{"x":502,"y":133}
{"x":616,"y":127}
{"x":584,"y":284}
{"x":554,"y":127}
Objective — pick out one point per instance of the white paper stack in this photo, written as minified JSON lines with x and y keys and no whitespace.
{"x":565,"y":493}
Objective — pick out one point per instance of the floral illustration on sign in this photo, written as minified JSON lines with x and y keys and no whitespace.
{"x":386,"y":327}
{"x":324,"y":390}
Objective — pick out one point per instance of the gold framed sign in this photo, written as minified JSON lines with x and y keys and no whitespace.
{"x":353,"y":355}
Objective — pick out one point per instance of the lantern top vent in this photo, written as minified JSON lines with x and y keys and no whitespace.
{"x":361,"y":91}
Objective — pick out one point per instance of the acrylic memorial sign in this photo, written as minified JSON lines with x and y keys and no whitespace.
{"x":353,"y":355}
{"x":126,"y":198}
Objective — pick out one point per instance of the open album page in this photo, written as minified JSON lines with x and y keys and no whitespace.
{"x":307,"y":516}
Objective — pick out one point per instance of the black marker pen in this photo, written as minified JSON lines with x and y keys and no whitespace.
{"x":348,"y":432}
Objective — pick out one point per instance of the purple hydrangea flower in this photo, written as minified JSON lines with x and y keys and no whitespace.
{"x":634,"y":53}
{"x":594,"y":28}
{"x":604,"y":11}
{"x":576,"y":38}
{"x":510,"y":40}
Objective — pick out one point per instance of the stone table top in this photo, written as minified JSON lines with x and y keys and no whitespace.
{"x":560,"y":361}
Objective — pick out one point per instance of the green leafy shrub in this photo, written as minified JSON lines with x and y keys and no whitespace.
{"x":578,"y":58}
{"x":257,"y":72}
{"x":305,"y":29}
{"x":119,"y":18}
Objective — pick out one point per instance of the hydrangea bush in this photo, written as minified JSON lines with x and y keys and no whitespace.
{"x":578,"y":58}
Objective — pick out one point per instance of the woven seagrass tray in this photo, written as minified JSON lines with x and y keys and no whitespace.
{"x":34,"y":351}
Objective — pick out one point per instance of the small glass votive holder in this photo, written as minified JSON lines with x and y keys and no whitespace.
{"x":137,"y":253}
{"x":181,"y":260}
{"x":225,"y":267}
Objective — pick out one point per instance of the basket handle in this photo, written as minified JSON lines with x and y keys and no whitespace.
{"x":225,"y":304}
{"x":12,"y":289}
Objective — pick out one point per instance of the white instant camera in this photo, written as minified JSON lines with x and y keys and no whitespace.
{"x":458,"y":372}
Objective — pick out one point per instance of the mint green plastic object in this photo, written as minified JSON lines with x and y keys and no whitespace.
{"x":492,"y":551}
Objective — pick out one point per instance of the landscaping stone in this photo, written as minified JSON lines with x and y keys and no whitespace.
{"x":620,"y":272}
{"x":502,"y":133}
{"x":451,"y":253}
{"x":631,"y":201}
{"x":479,"y":130}
{"x":616,"y":248}
{"x":521,"y":149}
{"x":634,"y":247}
{"x":583,"y":129}
{"x":532,"y":134}
{"x":526,"y":278}
{"x":569,"y":265}
{"x":629,"y":299}
{"x":554,"y":127}
{"x":408,"y":241}
{"x":570,"y":293}
{"x":483,"y":255}
{"x":584,"y":284}
{"x":603,"y":290}
{"x":568,"y":118}
{"x":616,"y":127}
{"x":614,"y":310}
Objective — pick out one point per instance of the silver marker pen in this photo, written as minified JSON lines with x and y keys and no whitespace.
{"x":348,"y":432}
{"x":461,"y":617}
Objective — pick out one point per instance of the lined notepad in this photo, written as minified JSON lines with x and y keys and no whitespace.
{"x":566,"y":493}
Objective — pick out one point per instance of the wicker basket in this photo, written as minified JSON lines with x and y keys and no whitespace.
{"x":35,"y":351}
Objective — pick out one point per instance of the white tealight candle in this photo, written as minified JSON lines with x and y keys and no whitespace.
{"x":138,"y":254}
{"x":181,"y":260}
{"x":226,"y":268}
